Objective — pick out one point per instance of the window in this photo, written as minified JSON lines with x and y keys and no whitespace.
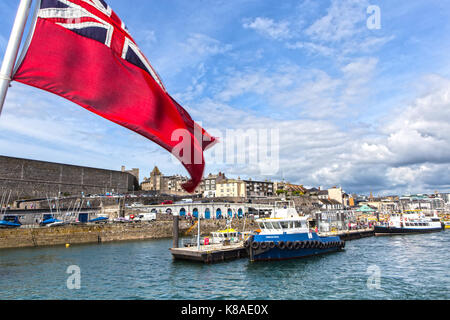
{"x":297,"y":224}
{"x":284,"y":224}
{"x":276,"y":225}
{"x":268,"y":225}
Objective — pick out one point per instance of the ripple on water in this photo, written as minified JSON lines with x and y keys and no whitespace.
{"x":411,"y":267}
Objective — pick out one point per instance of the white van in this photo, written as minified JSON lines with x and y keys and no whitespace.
{"x":146,"y":216}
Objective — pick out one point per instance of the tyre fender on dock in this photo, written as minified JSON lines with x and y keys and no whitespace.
{"x":289,"y":245}
{"x":255,"y":245}
{"x":263,"y":245}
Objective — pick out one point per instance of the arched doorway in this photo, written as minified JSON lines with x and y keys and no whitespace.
{"x":230,"y":213}
{"x":207,"y":213}
{"x":240,"y":213}
{"x":195,"y":213}
{"x":182,"y":212}
{"x":218,"y":214}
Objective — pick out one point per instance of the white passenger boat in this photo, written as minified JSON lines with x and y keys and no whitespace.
{"x":409,"y":223}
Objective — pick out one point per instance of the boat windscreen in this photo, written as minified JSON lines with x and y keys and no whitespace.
{"x":276,"y":225}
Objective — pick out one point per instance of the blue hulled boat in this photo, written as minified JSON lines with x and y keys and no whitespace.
{"x":286,"y":235}
{"x":99,"y":219}
{"x":10,"y":222}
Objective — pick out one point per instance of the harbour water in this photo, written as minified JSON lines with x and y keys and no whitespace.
{"x":397,"y":267}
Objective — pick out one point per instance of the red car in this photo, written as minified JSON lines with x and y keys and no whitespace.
{"x":167,"y":202}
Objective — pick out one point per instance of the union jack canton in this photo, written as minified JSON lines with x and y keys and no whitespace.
{"x":94,"y":19}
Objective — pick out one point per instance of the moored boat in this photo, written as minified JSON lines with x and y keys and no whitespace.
{"x":286,"y":235}
{"x":408,"y":223}
{"x":10,"y":222}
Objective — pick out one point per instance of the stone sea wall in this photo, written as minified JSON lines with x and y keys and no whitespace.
{"x":39,"y":179}
{"x":37,"y":237}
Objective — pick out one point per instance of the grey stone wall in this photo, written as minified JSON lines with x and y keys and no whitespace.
{"x":37,"y":179}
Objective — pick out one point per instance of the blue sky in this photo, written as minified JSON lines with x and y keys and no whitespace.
{"x":365,"y":109}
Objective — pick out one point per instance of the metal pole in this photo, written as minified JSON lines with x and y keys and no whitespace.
{"x":175,"y":230}
{"x":13,"y":48}
{"x":198,"y":234}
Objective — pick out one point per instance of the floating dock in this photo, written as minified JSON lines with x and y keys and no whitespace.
{"x":350,"y":234}
{"x":210,"y":253}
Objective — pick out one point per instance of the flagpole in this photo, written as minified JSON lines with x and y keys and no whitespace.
{"x":13,"y":48}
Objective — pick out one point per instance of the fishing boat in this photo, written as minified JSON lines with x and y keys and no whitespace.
{"x":286,"y":235}
{"x":408,"y":223}
{"x":10,"y":222}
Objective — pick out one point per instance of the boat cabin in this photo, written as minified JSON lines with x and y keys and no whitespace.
{"x":278,"y":225}
{"x":224,"y":236}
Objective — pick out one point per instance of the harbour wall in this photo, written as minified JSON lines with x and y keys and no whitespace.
{"x":83,"y":234}
{"x":39,"y":179}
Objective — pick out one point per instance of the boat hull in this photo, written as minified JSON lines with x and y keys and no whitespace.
{"x":271,"y":247}
{"x":381,"y":230}
{"x":8,"y":225}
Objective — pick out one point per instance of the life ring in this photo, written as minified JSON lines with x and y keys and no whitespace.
{"x":255,"y":245}
{"x":289,"y":245}
{"x":263,"y":245}
{"x":281,"y":245}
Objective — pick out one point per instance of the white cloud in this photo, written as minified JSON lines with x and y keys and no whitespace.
{"x":270,"y":28}
{"x":193,"y":51}
{"x":303,"y":91}
{"x":312,"y":48}
{"x":407,"y":150}
{"x":343,"y":20}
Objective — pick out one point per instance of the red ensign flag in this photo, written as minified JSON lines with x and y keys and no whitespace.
{"x":82,"y":51}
